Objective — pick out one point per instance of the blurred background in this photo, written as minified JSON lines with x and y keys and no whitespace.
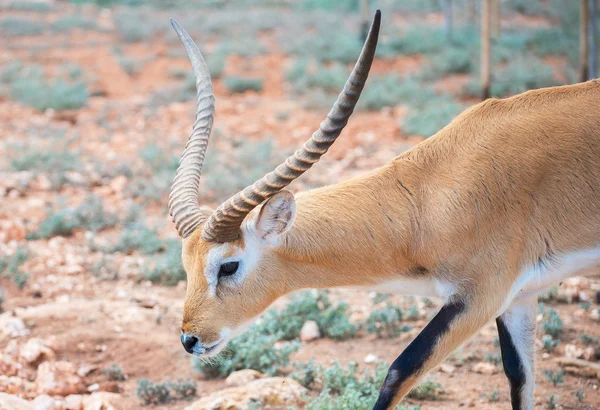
{"x":96,"y":104}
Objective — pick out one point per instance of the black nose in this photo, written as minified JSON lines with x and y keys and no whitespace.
{"x":188,"y":342}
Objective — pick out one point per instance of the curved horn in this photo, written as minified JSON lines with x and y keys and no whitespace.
{"x":224,"y":224}
{"x":183,"y":199}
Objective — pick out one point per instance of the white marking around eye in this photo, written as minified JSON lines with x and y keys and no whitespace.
{"x":247,"y":257}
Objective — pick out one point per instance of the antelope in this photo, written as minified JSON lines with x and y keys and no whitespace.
{"x":497,"y":206}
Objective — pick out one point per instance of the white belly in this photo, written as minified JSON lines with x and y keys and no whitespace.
{"x":538,"y":278}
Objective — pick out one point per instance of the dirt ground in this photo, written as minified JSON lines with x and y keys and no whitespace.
{"x":90,"y":320}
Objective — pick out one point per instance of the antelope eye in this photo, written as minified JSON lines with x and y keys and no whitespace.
{"x":228,"y":268}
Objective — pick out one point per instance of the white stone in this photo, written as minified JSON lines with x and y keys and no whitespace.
{"x":310,"y":331}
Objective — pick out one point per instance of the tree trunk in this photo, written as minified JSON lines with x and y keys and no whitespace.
{"x":592,"y":52}
{"x":485,"y":49}
{"x":583,"y":41}
{"x":495,"y":19}
{"x":448,"y":19}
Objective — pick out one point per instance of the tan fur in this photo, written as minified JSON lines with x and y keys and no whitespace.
{"x":507,"y":183}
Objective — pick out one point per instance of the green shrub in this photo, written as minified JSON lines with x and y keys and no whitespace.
{"x":252,"y":350}
{"x":552,"y":324}
{"x":432,"y":116}
{"x":548,"y":344}
{"x":114,"y":373}
{"x":429,"y":390}
{"x":89,"y":215}
{"x":551,"y":402}
{"x":588,"y":340}
{"x":10,"y":267}
{"x":522,"y":74}
{"x":128,"y":23}
{"x":304,"y":76}
{"x":343,"y":47}
{"x":555,"y":378}
{"x":40,"y":159}
{"x":34,"y":6}
{"x":242,"y":84}
{"x":72,"y":21}
{"x":31,"y":88}
{"x":166,"y":268}
{"x":138,"y":237}
{"x":392,"y":90}
{"x":451,"y":60}
{"x":162,"y":392}
{"x":386,"y":322}
{"x":332,"y":320}
{"x":494,"y":397}
{"x":342,"y":387}
{"x":17,"y":27}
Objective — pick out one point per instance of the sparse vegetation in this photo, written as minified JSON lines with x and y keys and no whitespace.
{"x":588,"y":340}
{"x":150,"y":392}
{"x":166,"y":268}
{"x":242,"y":84}
{"x":386,"y":322}
{"x":16,"y":27}
{"x":10,"y":267}
{"x":552,"y":323}
{"x":555,"y":378}
{"x":89,"y":215}
{"x":551,"y":402}
{"x":430,"y":390}
{"x":252,"y":350}
{"x":493,"y":397}
{"x":114,"y":373}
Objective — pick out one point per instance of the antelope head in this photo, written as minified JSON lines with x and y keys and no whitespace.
{"x":230,"y":254}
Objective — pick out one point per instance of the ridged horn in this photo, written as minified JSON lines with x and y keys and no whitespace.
{"x":183,"y":200}
{"x":224,"y":224}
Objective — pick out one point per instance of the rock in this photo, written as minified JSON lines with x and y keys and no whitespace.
{"x":242,"y":377}
{"x":573,"y":351}
{"x":58,"y":378}
{"x":268,"y":391}
{"x":595,"y":314}
{"x":310,"y":331}
{"x":11,"y":326}
{"x":11,"y":402}
{"x":371,"y":358}
{"x":447,"y":368}
{"x":35,"y":351}
{"x":580,"y":367}
{"x":74,"y":402}
{"x":45,"y":402}
{"x":101,"y":401}
{"x":485,"y":368}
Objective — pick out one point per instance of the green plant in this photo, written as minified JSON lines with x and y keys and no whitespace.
{"x":494,"y":358}
{"x":332,"y":320}
{"x":549,"y":295}
{"x":555,"y":378}
{"x":53,"y":163}
{"x":127,"y":22}
{"x":451,"y":60}
{"x":89,"y":215}
{"x":551,"y":402}
{"x":69,"y":22}
{"x":552,"y":324}
{"x":16,"y":27}
{"x":588,"y":340}
{"x":139,"y":237}
{"x":386,"y":322}
{"x":10,"y":266}
{"x":494,"y":397}
{"x":166,"y":268}
{"x":242,"y":84}
{"x":150,"y":392}
{"x":580,"y":395}
{"x":114,"y":373}
{"x":548,"y":343}
{"x":429,"y":390}
{"x":252,"y":350}
{"x":391,"y":90}
{"x":30,"y":87}
{"x":430,"y":117}
{"x":342,"y":387}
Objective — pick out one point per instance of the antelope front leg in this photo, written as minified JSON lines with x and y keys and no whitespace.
{"x":456,"y":322}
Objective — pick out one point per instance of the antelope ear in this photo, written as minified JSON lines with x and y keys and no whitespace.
{"x":276,"y":217}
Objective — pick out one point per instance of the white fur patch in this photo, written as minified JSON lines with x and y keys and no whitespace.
{"x":247,"y":257}
{"x":538,"y":278}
